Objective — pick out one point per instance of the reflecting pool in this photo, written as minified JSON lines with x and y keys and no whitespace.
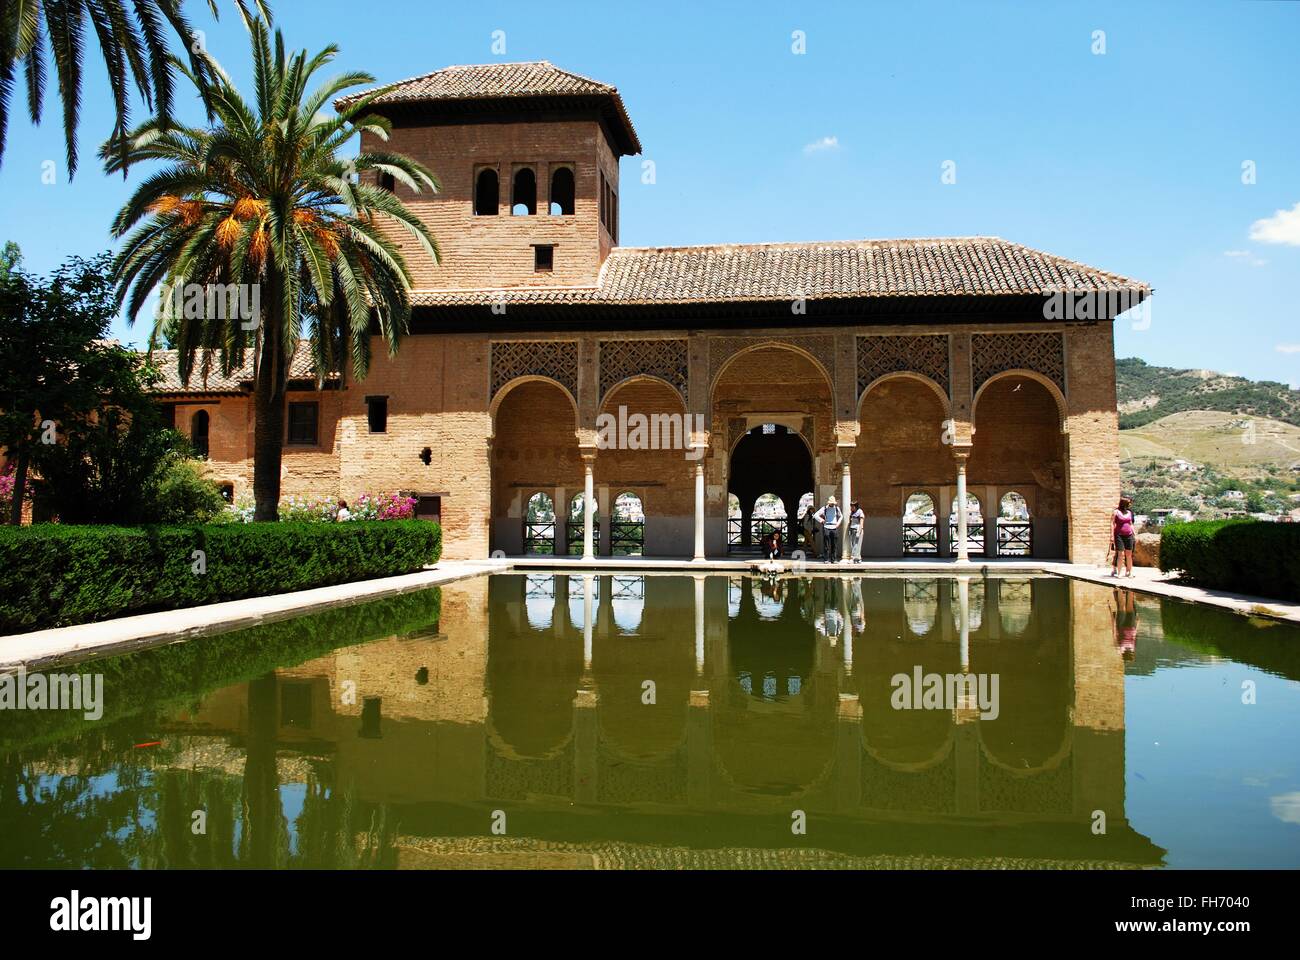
{"x":656,"y":721}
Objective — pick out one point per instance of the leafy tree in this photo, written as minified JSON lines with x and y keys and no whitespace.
{"x":263,"y":199}
{"x":11,"y":258}
{"x":132,"y":38}
{"x":47,"y":330}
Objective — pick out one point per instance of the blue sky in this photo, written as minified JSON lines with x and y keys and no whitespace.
{"x":1130,"y":160}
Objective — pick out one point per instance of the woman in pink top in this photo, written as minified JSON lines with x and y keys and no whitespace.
{"x":1122,"y":533}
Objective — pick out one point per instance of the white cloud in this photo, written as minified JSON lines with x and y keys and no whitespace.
{"x":1288,"y":348}
{"x":1286,"y":807}
{"x":1236,"y":253}
{"x":822,"y":145}
{"x":1282,"y":227}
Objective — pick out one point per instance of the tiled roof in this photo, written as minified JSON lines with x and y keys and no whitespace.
{"x":300,"y":368}
{"x":728,"y":273}
{"x":538,"y":79}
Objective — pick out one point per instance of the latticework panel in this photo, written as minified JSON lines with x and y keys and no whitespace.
{"x":665,"y":359}
{"x":1043,"y":791}
{"x":926,"y":355}
{"x":992,"y":353}
{"x":556,"y":359}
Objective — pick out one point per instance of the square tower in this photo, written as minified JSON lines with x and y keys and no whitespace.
{"x":526,"y":156}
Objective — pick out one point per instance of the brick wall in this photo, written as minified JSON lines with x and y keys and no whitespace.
{"x":489,"y":252}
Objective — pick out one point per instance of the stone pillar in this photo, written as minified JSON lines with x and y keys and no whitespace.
{"x":699,"y":509}
{"x":963,"y":554}
{"x":846,"y":490}
{"x":588,"y":506}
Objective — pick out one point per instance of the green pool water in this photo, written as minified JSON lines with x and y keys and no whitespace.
{"x":675,"y":721}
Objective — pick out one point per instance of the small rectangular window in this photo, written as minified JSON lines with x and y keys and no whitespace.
{"x":602,"y":197}
{"x":303,"y":418}
{"x":543,"y":258}
{"x":377,"y":414}
{"x":387,"y":182}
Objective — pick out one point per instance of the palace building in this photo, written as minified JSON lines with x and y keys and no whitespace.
{"x":560,"y":393}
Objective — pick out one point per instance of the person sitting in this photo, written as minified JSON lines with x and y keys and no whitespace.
{"x":772,"y":545}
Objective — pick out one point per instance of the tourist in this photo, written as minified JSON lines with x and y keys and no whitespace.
{"x":344,"y":513}
{"x":830,"y":517}
{"x":857,"y":523}
{"x":772,"y":545}
{"x":1123,"y":535}
{"x":809,"y":531}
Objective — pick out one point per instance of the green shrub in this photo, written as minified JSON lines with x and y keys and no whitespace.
{"x":1248,"y":556}
{"x":185,"y":495}
{"x":54,"y":575}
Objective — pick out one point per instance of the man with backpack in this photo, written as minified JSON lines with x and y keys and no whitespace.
{"x":831,"y":517}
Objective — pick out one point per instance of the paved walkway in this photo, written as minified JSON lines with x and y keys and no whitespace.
{"x":46,"y":648}
{"x":1152,"y":581}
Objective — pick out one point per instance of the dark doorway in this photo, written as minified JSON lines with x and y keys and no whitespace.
{"x":769,"y":459}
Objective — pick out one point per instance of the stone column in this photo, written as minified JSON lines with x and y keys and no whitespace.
{"x":963,"y":555}
{"x":699,"y":509}
{"x":846,"y":490}
{"x":588,"y":506}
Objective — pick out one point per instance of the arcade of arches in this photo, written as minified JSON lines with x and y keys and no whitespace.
{"x":1012,"y":424}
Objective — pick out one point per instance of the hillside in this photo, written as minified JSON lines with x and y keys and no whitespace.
{"x":1229,"y":442}
{"x":1147,"y":393}
{"x":1232,"y":434}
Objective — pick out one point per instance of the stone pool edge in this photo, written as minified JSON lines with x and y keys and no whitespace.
{"x":42,"y":649}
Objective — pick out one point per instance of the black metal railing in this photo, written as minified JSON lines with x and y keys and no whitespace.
{"x":1015,"y":538}
{"x":573,"y":536}
{"x":920,"y":538}
{"x":974,"y":537}
{"x":735,"y":531}
{"x":627,"y":538}
{"x":539,"y":537}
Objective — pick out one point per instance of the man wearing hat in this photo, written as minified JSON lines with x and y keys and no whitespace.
{"x":830,"y":517}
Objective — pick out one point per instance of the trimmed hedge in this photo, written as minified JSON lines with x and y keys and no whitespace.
{"x":1248,"y":556}
{"x":53,"y":575}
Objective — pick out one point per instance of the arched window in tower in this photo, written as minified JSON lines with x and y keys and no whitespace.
{"x":199,"y":433}
{"x":523,"y":199}
{"x":563,"y":192}
{"x":487,"y":193}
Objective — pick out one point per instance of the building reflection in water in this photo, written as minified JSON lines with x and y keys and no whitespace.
{"x":703,"y":710}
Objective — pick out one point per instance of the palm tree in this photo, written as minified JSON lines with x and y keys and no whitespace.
{"x":263,"y":198}
{"x":132,"y":38}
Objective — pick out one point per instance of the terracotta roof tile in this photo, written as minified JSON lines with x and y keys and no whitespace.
{"x":982,"y":266}
{"x":538,"y":79}
{"x":214,"y":380}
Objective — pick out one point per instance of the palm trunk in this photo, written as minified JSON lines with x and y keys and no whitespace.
{"x":268,"y":406}
{"x":20,"y":489}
